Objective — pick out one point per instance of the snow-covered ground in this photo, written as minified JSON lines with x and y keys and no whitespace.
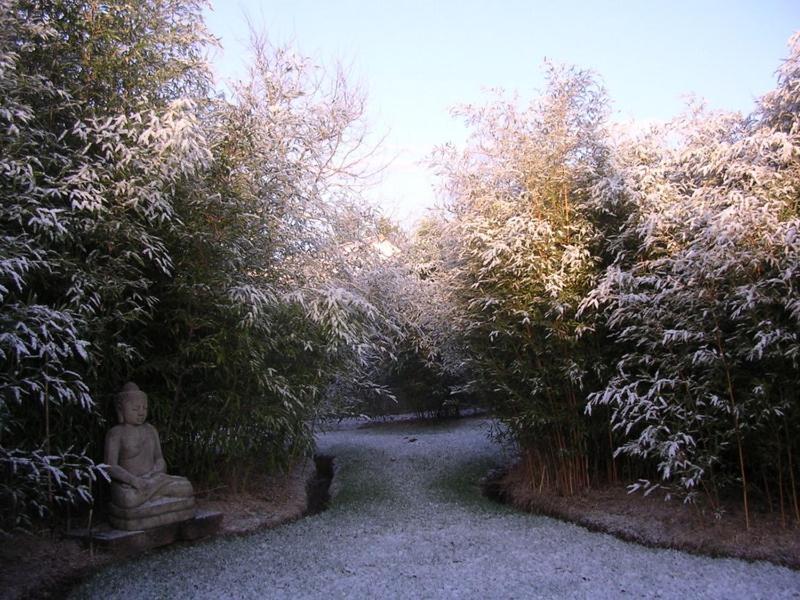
{"x":407,"y":521}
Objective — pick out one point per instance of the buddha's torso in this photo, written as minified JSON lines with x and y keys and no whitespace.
{"x":137,"y":449}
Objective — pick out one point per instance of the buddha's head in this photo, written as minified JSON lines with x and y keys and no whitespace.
{"x":131,"y":405}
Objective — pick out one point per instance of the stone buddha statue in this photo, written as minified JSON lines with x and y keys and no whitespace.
{"x":142,"y":494}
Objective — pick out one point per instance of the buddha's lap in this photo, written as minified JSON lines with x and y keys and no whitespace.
{"x":159,"y":486}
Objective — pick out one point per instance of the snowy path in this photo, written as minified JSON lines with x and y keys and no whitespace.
{"x":407,"y":521}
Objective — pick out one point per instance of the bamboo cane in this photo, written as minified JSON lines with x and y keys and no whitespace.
{"x":791,"y":473}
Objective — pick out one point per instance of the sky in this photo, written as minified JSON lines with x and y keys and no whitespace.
{"x":417,"y":59}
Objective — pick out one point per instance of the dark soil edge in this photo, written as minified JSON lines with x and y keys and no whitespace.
{"x":317,"y":498}
{"x":497,"y":486}
{"x":318,"y":487}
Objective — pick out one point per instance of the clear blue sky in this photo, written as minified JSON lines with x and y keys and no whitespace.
{"x":418,"y":58}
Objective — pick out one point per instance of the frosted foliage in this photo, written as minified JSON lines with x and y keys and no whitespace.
{"x":299,"y":169}
{"x":42,"y":479}
{"x":86,"y":187}
{"x":88,"y":178}
{"x":292,"y":224}
{"x":418,"y":317}
{"x":703,"y":292}
{"x":38,"y":344}
{"x":517,"y":247}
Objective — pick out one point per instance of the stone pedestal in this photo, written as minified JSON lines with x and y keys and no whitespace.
{"x":162,"y":511}
{"x":202,"y":523}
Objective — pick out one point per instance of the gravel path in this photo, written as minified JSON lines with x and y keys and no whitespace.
{"x":407,"y":521}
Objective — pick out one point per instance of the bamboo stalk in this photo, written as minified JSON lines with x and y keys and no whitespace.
{"x":614,"y":472}
{"x":586,"y":469}
{"x":791,"y":472}
{"x":47,"y":443}
{"x":529,"y":461}
{"x":766,"y":489}
{"x":91,"y":537}
{"x":736,"y":427}
{"x":741,"y":469}
{"x":710,"y":497}
{"x":780,"y":483}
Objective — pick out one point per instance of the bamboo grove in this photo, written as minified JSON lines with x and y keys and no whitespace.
{"x":628,"y":300}
{"x":625,"y":300}
{"x":152,"y":229}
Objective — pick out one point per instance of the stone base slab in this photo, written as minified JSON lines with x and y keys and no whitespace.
{"x":204,"y":523}
{"x":152,"y":522}
{"x":153,"y":508}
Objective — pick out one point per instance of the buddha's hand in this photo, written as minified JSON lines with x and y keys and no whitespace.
{"x":141,"y":484}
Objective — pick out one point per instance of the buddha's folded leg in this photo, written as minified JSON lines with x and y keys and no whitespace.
{"x":159,"y":486}
{"x":179,"y":486}
{"x":171,"y":485}
{"x":127,"y":496}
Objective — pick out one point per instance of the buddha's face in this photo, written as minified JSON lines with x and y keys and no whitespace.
{"x":133,"y":411}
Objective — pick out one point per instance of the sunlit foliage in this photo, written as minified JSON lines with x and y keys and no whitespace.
{"x":635,"y":292}
{"x":703,"y":296}
{"x":152,"y":230}
{"x":520,"y":257}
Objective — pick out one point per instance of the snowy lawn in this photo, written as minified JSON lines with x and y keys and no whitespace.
{"x":407,"y":521}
